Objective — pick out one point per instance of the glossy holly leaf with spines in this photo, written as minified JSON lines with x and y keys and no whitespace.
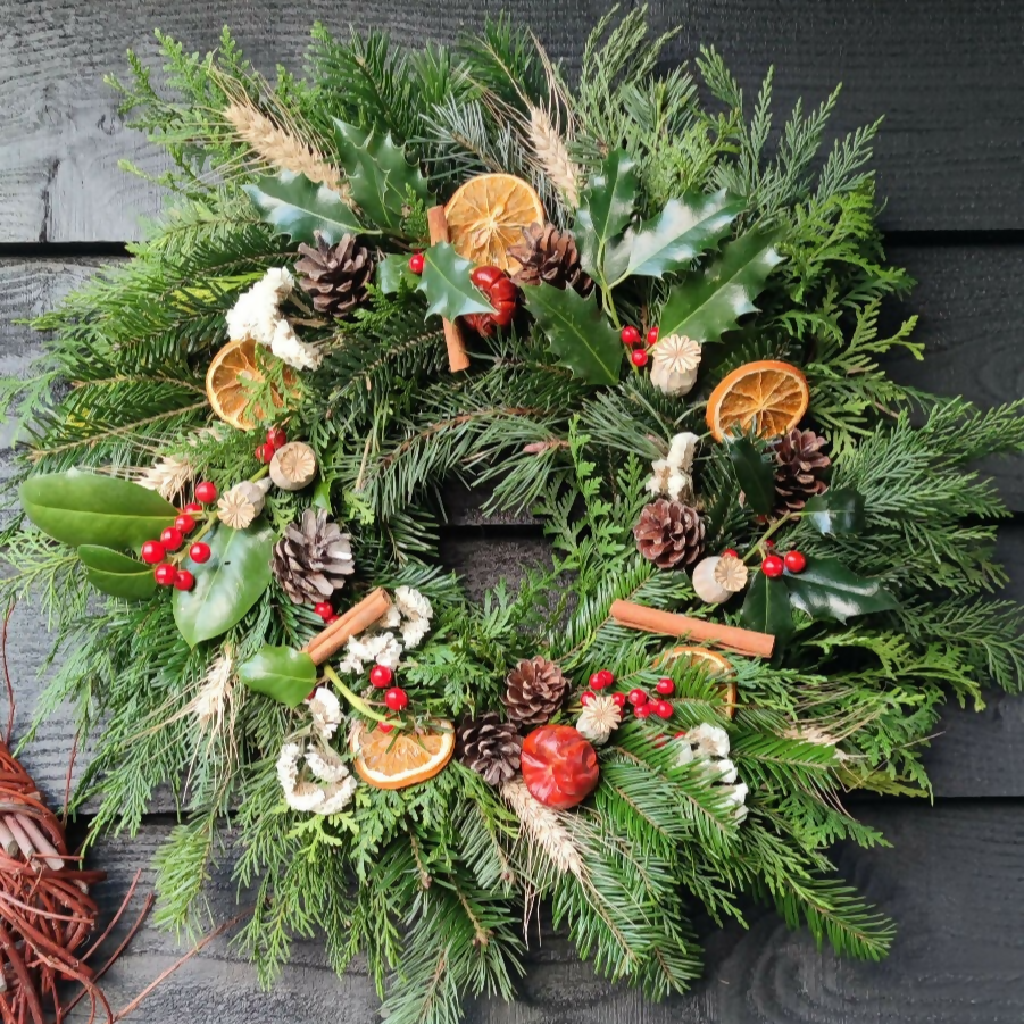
{"x":393,"y":271}
{"x":297,"y":207}
{"x":709,"y":303}
{"x":767,"y":608}
{"x":754,"y":474}
{"x":447,"y":284}
{"x":605,"y":209}
{"x":827,"y":589}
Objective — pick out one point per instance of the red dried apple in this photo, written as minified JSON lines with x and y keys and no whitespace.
{"x":559,"y":766}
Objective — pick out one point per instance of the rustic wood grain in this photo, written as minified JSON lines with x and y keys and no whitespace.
{"x":946,"y":76}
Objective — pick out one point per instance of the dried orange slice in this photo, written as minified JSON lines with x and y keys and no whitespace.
{"x":769,"y":395}
{"x":394,"y":760}
{"x":713,"y":663}
{"x":488,"y":214}
{"x":232,"y":368}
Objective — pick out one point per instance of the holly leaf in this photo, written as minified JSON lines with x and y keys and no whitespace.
{"x":295,"y":206}
{"x":827,"y":589}
{"x":93,"y":508}
{"x":685,"y":229}
{"x":282,"y":673}
{"x":755,"y":476}
{"x":379,"y":176}
{"x":227,"y":585}
{"x":708,"y":304}
{"x":112,"y":573}
{"x":392,"y":271}
{"x":837,"y":512}
{"x":578,"y":332}
{"x":767,"y":609}
{"x":605,"y":209}
{"x":446,"y":283}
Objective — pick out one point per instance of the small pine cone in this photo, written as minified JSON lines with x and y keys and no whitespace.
{"x":491,"y":747}
{"x":313,"y":558}
{"x":549,"y":255}
{"x":669,"y":534}
{"x":336,"y":276}
{"x":536,"y":690}
{"x":802,"y":469}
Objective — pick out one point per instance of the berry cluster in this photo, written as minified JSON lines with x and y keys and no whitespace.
{"x":792,"y":561}
{"x":638,"y":700}
{"x":395,"y":698}
{"x":631,"y":337}
{"x":276,"y":438}
{"x":157,"y":552}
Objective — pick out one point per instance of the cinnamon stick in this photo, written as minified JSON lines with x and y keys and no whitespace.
{"x":437,"y":223}
{"x":359,"y":617}
{"x":743,"y":641}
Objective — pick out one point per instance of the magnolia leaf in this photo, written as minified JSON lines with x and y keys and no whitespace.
{"x":392,"y":271}
{"x":295,"y":206}
{"x":766,"y":608}
{"x":755,"y":476}
{"x":282,"y":673}
{"x":227,"y":585}
{"x":685,"y":229}
{"x":118,"y":575}
{"x":827,"y":589}
{"x":446,"y":283}
{"x":92,"y":508}
{"x":708,"y":304}
{"x":379,"y":176}
{"x":606,"y":208}
{"x":837,"y":512}
{"x":578,"y":332}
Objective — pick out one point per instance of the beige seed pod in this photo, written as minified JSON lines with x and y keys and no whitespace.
{"x":675,"y":360}
{"x":717,"y":578}
{"x":293,"y":466}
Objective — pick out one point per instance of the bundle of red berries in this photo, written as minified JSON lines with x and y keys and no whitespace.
{"x":640,"y":345}
{"x":276,"y":438}
{"x":161,"y":553}
{"x":774,"y":565}
{"x":498,"y":288}
{"x":395,"y":698}
{"x":637,"y":700}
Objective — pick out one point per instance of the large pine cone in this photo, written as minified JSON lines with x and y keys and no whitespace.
{"x":491,"y":747}
{"x":802,"y":469}
{"x":536,"y":690}
{"x":313,"y":558}
{"x":549,"y":255}
{"x":669,"y":533}
{"x":336,"y":276}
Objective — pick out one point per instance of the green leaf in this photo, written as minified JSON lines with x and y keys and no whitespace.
{"x":392,"y":271}
{"x":295,"y":206}
{"x":685,"y":229}
{"x":755,"y":476}
{"x":446,"y":283}
{"x":378,"y":174}
{"x":708,"y":304}
{"x":837,"y":512}
{"x":578,"y":331}
{"x":766,"y":608}
{"x":827,"y":589}
{"x":280,"y":672}
{"x":228,"y":585}
{"x":92,"y":508}
{"x":118,"y":575}
{"x":606,"y":208}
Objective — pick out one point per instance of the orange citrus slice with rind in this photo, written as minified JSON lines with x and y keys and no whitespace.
{"x":769,"y":396}
{"x":488,"y":214}
{"x":713,"y":663}
{"x":231,"y":369}
{"x":394,"y":760}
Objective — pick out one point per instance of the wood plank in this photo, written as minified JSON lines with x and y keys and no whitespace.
{"x":956,"y":959}
{"x":947,"y":78}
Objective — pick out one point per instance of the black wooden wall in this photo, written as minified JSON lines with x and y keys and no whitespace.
{"x":949,"y":78}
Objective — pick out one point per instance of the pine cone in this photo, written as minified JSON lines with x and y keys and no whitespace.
{"x":536,"y":690}
{"x":549,"y":255}
{"x":669,"y":533}
{"x":336,"y":276}
{"x":801,"y":472}
{"x":313,"y":558}
{"x":491,"y":747}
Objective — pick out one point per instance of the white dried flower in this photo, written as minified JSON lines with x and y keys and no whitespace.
{"x":382,"y":649}
{"x":325,"y":708}
{"x":305,"y":795}
{"x":726,"y":768}
{"x":338,"y":795}
{"x":411,"y":603}
{"x":598,"y":719}
{"x":709,"y":740}
{"x":325,"y":764}
{"x":287,"y":346}
{"x":708,"y":745}
{"x":288,"y":765}
{"x":675,"y":360}
{"x":671,"y":475}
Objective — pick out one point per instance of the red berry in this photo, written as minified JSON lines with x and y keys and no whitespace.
{"x":486,"y":277}
{"x":642,"y":711}
{"x":679,"y":736}
{"x":416,"y":263}
{"x":199,"y":552}
{"x":769,"y":544}
{"x":637,"y":698}
{"x":324,"y":610}
{"x":652,"y":336}
{"x":639,"y":357}
{"x":184,"y":580}
{"x":731,"y":552}
{"x":630,"y":335}
{"x":165,"y":574}
{"x":587,"y":696}
{"x":276,"y":437}
{"x":333,"y":618}
{"x":193,"y":506}
{"x":396,"y":699}
{"x":605,"y":678}
{"x":795,"y":561}
{"x":153,"y":552}
{"x":171,"y":538}
{"x":595,"y":681}
{"x":773,"y":566}
{"x":383,"y":726}
{"x":504,"y":290}
{"x":662,"y":708}
{"x":206,"y":492}
{"x":381,"y":675}
{"x":264,"y":453}
{"x":620,"y":699}
{"x":666,"y":687}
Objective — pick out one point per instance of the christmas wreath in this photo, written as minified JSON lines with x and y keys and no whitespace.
{"x":608,"y":302}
